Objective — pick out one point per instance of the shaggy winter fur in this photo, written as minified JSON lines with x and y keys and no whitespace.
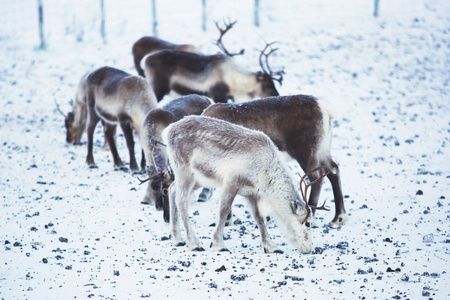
{"x":298,"y":125}
{"x":210,"y":152}
{"x":155,"y":153}
{"x":216,"y":76}
{"x":115,"y":97}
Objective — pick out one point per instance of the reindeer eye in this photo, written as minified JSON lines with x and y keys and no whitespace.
{"x":307,"y":224}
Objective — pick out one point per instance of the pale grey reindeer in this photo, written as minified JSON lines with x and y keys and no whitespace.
{"x":151,"y":142}
{"x":209,"y":152}
{"x":150,"y":44}
{"x":114,"y":97}
{"x":298,"y":125}
{"x":216,"y":76}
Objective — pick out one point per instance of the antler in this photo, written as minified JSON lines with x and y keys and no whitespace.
{"x":324,"y":171}
{"x":219,"y":42}
{"x":160,"y":173}
{"x":267,"y":69}
{"x":59,"y":109}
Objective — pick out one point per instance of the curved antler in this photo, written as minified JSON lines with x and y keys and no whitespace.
{"x":160,"y":172}
{"x":266,"y":69}
{"x":324,"y":171}
{"x":59,"y":109}
{"x":219,"y":42}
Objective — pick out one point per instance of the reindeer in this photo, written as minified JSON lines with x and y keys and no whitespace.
{"x":114,"y":97}
{"x":205,"y":151}
{"x":216,"y":76}
{"x":150,"y":44}
{"x":151,"y":141}
{"x":298,"y":125}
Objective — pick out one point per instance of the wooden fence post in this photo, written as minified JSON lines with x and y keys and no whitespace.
{"x":102,"y":23}
{"x":375,"y":9}
{"x":43,"y":44}
{"x":155,"y":20}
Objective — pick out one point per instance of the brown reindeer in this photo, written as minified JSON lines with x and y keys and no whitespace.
{"x":150,"y":44}
{"x":298,"y":125}
{"x":151,"y":141}
{"x":114,"y":97}
{"x":216,"y":76}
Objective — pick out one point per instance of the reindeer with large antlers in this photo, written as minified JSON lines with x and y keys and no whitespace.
{"x":216,"y":76}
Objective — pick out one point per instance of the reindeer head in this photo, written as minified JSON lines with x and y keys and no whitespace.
{"x":70,"y":130}
{"x":73,"y":132}
{"x":266,"y":77}
{"x":298,"y":224}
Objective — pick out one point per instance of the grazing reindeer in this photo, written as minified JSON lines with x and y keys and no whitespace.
{"x":115,"y":97}
{"x":155,"y":153}
{"x":210,"y":152}
{"x":150,"y":44}
{"x":299,"y":125}
{"x":216,"y":76}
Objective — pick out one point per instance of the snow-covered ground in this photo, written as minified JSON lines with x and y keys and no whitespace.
{"x":67,"y":231}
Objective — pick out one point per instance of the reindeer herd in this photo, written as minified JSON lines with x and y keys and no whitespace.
{"x":226,"y":128}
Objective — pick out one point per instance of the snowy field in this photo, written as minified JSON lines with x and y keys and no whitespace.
{"x":67,"y":231}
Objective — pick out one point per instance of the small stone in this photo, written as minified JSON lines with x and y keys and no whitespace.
{"x":428,"y":238}
{"x":240,"y":277}
{"x":116,"y":273}
{"x":419,"y":192}
{"x":404,"y":277}
{"x":212,"y":285}
{"x":222,"y":268}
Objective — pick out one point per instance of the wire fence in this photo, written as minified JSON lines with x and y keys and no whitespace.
{"x":106,"y":20}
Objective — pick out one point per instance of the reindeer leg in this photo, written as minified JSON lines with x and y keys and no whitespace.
{"x":109,"y":134}
{"x":166,"y":208}
{"x":205,"y":195}
{"x":228,"y":195}
{"x":335,"y":179}
{"x":105,"y":142}
{"x":315,"y":192}
{"x":143,"y":162}
{"x":92,"y":123}
{"x":183,"y":194}
{"x":125,"y":124}
{"x":268,"y":245}
{"x":175,"y":232}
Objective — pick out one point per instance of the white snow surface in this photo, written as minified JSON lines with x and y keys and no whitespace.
{"x":67,"y":231}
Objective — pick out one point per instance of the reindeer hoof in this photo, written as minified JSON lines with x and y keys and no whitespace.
{"x":180,"y":244}
{"x":145,"y":202}
{"x":92,"y":166}
{"x":275,"y":251}
{"x":339,"y":220}
{"x":121,"y":168}
{"x":137,"y":171}
{"x":224,"y":250}
{"x":198,"y":249}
